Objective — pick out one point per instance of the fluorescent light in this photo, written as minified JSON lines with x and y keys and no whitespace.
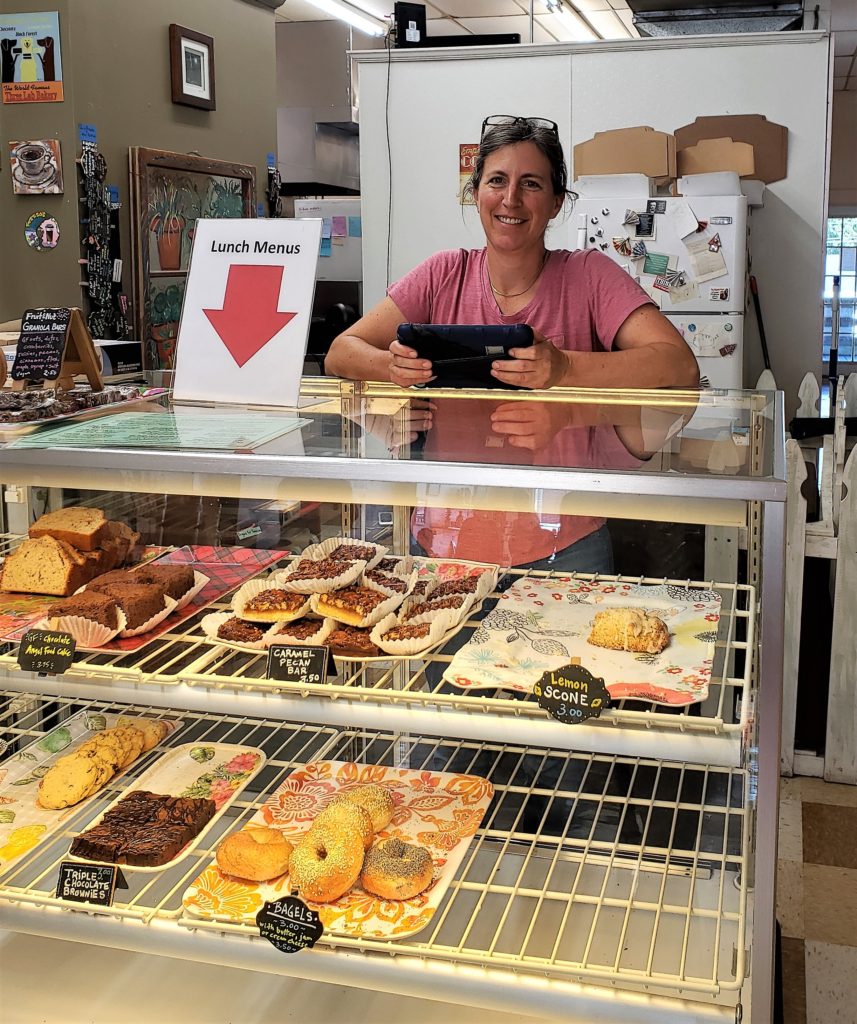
{"x":364,"y":22}
{"x":608,"y":25}
{"x":571,"y":21}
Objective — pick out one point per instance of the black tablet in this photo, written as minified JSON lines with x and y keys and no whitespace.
{"x":462,"y":354}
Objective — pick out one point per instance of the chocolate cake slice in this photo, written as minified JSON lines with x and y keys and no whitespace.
{"x":139,"y":601}
{"x":95,"y":607}
{"x":176,"y":580}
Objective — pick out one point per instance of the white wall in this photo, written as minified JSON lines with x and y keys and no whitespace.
{"x":437,"y":99}
{"x":843,"y":154}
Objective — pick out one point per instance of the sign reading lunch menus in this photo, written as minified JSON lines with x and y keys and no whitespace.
{"x":246,"y":312}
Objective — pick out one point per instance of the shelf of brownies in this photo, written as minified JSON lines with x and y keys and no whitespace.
{"x":354,"y":598}
{"x":79,"y":555}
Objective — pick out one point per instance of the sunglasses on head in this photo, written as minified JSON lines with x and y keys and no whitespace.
{"x":498,"y":120}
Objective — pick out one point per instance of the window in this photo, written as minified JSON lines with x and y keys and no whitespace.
{"x":841,"y":259}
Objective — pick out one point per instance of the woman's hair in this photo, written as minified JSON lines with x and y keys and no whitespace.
{"x":545,"y":140}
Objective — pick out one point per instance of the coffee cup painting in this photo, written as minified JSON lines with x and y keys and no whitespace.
{"x":36,"y":167}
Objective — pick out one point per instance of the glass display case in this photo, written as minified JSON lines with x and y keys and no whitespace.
{"x":625,"y":865}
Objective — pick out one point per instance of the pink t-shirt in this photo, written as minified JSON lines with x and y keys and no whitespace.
{"x":581,"y":301}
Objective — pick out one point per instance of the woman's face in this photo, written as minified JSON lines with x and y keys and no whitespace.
{"x":515,"y":197}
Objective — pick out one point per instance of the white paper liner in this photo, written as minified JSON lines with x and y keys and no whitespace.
{"x":344,"y":579}
{"x":214,"y":620}
{"x":199,"y":581}
{"x":413,"y":599}
{"x":408,"y":580}
{"x":280,"y":634}
{"x":169,"y":608}
{"x":458,"y":614}
{"x":251,"y":589}
{"x":439,"y":625}
{"x":318,"y":551}
{"x":84,"y":632}
{"x":377,"y":613}
{"x":404,"y":565}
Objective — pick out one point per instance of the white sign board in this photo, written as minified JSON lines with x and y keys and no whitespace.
{"x":246,"y":312}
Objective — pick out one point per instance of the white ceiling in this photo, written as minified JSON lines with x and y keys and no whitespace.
{"x":604,"y":19}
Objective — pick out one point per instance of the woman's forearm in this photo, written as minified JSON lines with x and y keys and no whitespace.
{"x":355,"y":359}
{"x":650,"y":366}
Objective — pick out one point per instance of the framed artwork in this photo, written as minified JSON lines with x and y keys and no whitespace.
{"x":36,"y":167}
{"x":169,"y":192}
{"x":192,"y":68}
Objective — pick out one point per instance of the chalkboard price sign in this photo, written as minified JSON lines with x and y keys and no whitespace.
{"x":46,"y":652}
{"x":571,"y":694}
{"x":289,"y":924}
{"x":41,"y":346}
{"x":87,"y":883}
{"x":295,"y":663}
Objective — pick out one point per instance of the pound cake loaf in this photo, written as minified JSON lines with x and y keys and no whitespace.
{"x":83,"y":528}
{"x":45,"y":565}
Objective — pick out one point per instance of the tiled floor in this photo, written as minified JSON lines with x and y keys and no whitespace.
{"x":817,"y":901}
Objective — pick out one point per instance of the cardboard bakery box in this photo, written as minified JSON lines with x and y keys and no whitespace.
{"x":717,"y":155}
{"x":639,"y":150}
{"x":769,"y":140}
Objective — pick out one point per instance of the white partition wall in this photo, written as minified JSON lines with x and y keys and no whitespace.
{"x":428,"y":101}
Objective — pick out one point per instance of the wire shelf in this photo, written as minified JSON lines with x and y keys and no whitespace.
{"x":619,"y":871}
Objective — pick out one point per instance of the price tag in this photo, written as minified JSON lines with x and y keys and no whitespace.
{"x":87,"y":883}
{"x":45,"y":652}
{"x":572,"y":694}
{"x":289,"y":924}
{"x":296,"y":663}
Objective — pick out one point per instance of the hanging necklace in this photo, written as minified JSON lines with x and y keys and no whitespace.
{"x":514,"y":295}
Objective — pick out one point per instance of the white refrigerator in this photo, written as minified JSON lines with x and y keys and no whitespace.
{"x":690,"y":255}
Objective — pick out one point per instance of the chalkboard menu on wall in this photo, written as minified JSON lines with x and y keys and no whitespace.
{"x":40,"y":350}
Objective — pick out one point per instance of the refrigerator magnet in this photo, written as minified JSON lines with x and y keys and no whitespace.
{"x":718,"y":294}
{"x":622,"y":246}
{"x":645,"y":226}
{"x":656,"y":263}
{"x":714,"y":243}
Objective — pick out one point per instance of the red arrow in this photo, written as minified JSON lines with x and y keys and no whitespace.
{"x":249,"y":318}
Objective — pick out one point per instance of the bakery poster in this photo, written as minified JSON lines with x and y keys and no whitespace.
{"x":31,"y":63}
{"x":466,"y":161}
{"x":36,"y":167}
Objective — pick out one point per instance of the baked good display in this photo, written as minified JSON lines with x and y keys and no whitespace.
{"x":256,"y":853}
{"x":326,"y":863}
{"x":83,"y":528}
{"x":153,"y":729}
{"x":175,"y":580}
{"x":238,"y":631}
{"x":139,"y":601}
{"x":351,"y":552}
{"x":629,"y":629}
{"x":350,"y":605}
{"x":89,"y":605}
{"x":375,"y":800}
{"x":45,"y":565}
{"x":346,"y":816}
{"x":384,"y":579}
{"x":144,"y":829}
{"x":273,"y":605}
{"x":396,"y":870}
{"x":352,"y":640}
{"x":22,"y":407}
{"x":454,"y":601}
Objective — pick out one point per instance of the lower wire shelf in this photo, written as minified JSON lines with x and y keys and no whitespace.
{"x":588,"y":870}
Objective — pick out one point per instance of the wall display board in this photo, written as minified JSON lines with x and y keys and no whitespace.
{"x":169,"y":193}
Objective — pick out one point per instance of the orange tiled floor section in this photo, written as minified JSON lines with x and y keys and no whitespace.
{"x":817,"y":901}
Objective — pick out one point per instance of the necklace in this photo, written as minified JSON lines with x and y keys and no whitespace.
{"x":514,"y":295}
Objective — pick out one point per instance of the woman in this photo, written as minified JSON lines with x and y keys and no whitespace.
{"x":593,"y":325}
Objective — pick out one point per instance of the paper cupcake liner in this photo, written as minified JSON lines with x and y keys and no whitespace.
{"x":458,"y":614}
{"x":318,"y":551}
{"x":487,"y":582}
{"x":414,"y":599}
{"x":280,"y":634}
{"x":408,"y":580}
{"x":344,"y":579}
{"x":439,"y":626}
{"x":199,"y":581}
{"x":214,"y":620}
{"x":404,"y":566}
{"x":170,"y":607}
{"x":253,"y":588}
{"x":378,"y":613}
{"x":84,"y":632}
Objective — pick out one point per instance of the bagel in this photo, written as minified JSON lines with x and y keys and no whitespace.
{"x":326,"y":863}
{"x":345,"y":816}
{"x":375,"y":800}
{"x":395,"y":870}
{"x":257,"y":854}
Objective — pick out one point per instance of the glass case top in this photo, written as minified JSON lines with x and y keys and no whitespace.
{"x":711,"y":433}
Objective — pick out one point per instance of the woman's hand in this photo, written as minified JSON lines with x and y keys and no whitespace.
{"x":406,"y":367}
{"x":531,"y":425}
{"x":542,"y":365}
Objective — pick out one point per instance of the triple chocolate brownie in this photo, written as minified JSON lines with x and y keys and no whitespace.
{"x":144,"y":829}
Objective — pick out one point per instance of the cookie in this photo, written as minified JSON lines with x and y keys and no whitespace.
{"x":67,"y":784}
{"x":152,"y":729}
{"x":109,"y":746}
{"x":133,"y":740}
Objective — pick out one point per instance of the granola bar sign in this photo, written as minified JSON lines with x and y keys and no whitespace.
{"x":571,"y":694}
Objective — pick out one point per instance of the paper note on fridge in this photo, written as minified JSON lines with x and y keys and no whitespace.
{"x":707,"y":265}
{"x":680,"y":217}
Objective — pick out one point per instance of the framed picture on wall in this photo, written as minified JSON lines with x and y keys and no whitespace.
{"x":192,"y":68}
{"x":169,"y":192}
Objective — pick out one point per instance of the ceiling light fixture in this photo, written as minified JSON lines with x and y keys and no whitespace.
{"x":363,"y":22}
{"x":571,"y":21}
